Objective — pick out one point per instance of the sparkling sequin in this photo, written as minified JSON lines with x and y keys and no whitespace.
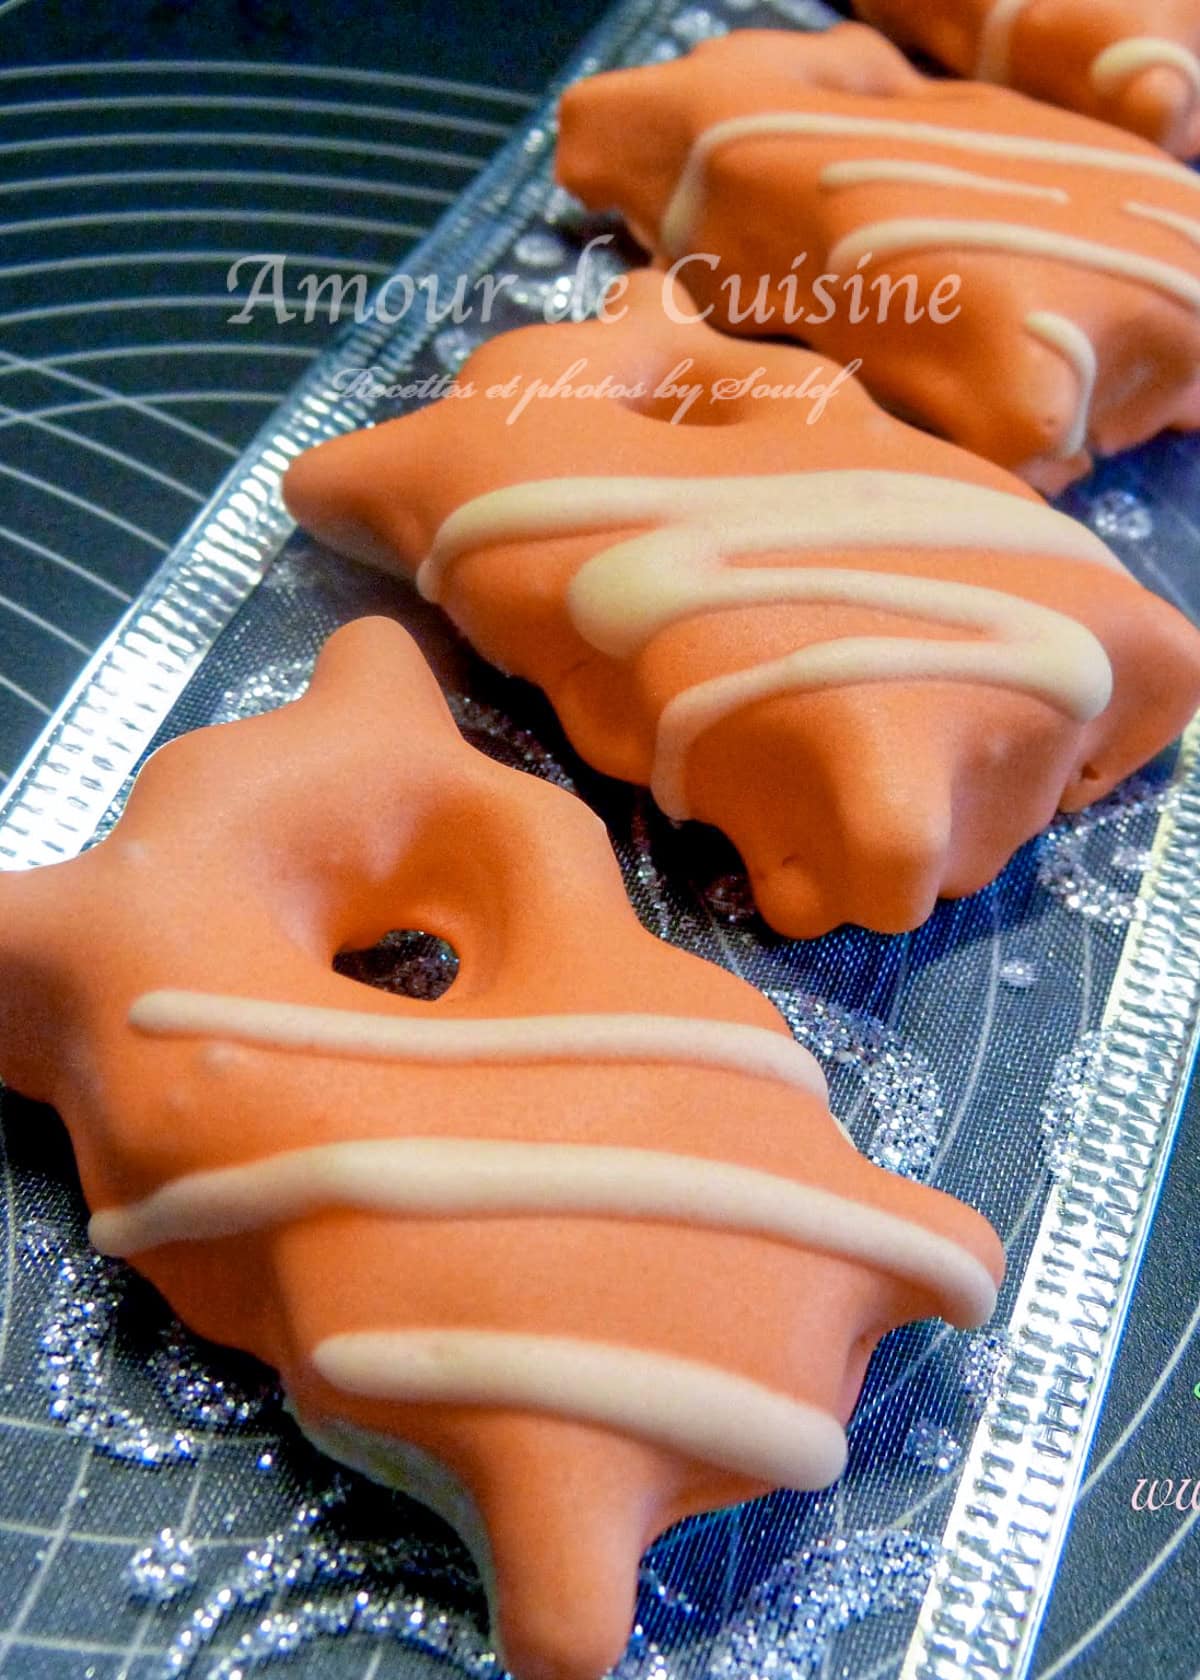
{"x":1132,"y":860}
{"x":1064,"y":1113}
{"x":1119,"y":513}
{"x":485,"y":727}
{"x":39,"y":1239}
{"x":453,"y":345}
{"x":697,"y":24}
{"x":291,"y":570}
{"x":562,"y":209}
{"x":986,"y":1356}
{"x":1070,"y":858}
{"x":787,"y":1625}
{"x":162,"y":1571}
{"x":648,"y":889}
{"x":339,"y":1583}
{"x":672,"y":1597}
{"x":931,"y":1447}
{"x":73,"y":1367}
{"x":543,"y":296}
{"x":1018,"y":973}
{"x":809,"y":14}
{"x":199,"y":1395}
{"x":540,"y":248}
{"x":274,"y":685}
{"x":903,"y":1096}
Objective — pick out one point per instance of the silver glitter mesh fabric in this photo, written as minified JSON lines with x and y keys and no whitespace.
{"x":161,"y":1517}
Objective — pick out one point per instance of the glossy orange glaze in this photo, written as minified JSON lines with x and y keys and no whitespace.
{"x":248,"y":855}
{"x":982,"y":378}
{"x":1052,"y":46}
{"x":861,"y":802}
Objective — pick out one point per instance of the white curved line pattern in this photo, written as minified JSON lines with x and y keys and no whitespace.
{"x":221,"y":214}
{"x":1149,"y":1401}
{"x":47,"y":1556}
{"x":1121,"y":1604}
{"x":241,"y":70}
{"x":174,"y":259}
{"x":85,"y":504}
{"x":123,"y":352}
{"x":251,"y":102}
{"x":236,"y":139}
{"x":61,"y":560}
{"x":228,"y":301}
{"x":238,"y":177}
{"x":150,"y":403}
{"x":36,"y":619}
{"x":10,"y":364}
{"x":11,"y":416}
{"x":23,"y":694}
{"x":342,"y":126}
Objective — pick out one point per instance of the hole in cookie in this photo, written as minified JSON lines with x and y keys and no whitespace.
{"x":405,"y":961}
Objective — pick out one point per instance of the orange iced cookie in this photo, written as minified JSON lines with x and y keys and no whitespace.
{"x":478,"y":1235}
{"x":1017,"y":278}
{"x":879,"y":664}
{"x":1129,"y":62}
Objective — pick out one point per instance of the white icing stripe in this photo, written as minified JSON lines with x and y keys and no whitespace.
{"x":995,"y":40}
{"x":869,"y":170}
{"x":687,"y":1407}
{"x":681,"y":215}
{"x":885,"y":239}
{"x":1124,"y":60}
{"x":1033,"y":668}
{"x":626,"y":594}
{"x":755,"y":1051}
{"x":850,"y":509}
{"x":454,"y":1178}
{"x":1074,"y":344}
{"x":1188,"y":226}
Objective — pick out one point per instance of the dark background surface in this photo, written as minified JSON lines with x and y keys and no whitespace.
{"x":338,"y":134}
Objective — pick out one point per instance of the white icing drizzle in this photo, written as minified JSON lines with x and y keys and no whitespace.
{"x":682,"y":212}
{"x":866,"y":171}
{"x":1076,"y":347}
{"x":853,"y":508}
{"x":755,"y":1051}
{"x":1188,"y":226}
{"x":1120,"y":63}
{"x":453,"y":1178}
{"x":626,"y":594}
{"x":995,"y":40}
{"x":881,"y":240}
{"x":688,"y":1407}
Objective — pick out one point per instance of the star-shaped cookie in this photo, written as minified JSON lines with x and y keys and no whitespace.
{"x":877,"y":663}
{"x":518,"y":1249}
